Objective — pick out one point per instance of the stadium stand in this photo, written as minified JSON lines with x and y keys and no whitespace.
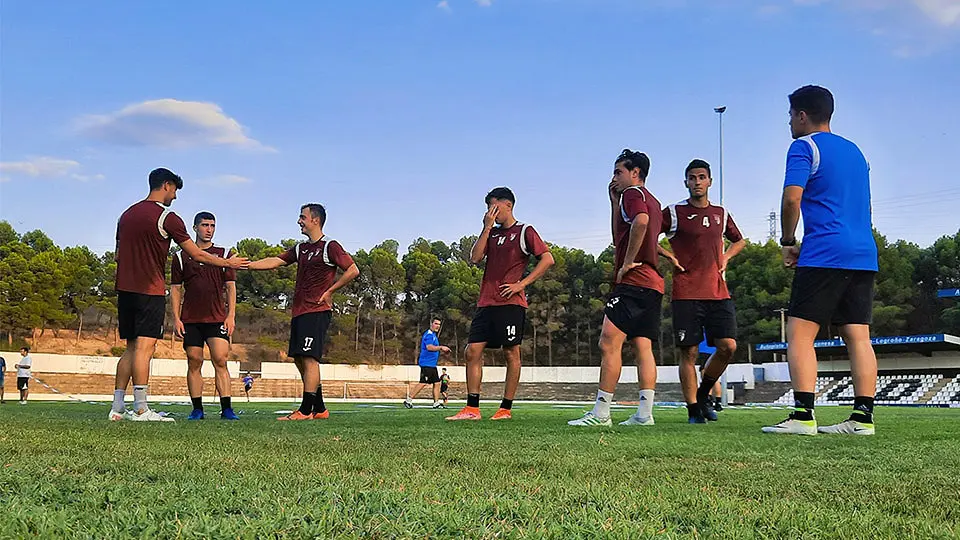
{"x":892,"y":389}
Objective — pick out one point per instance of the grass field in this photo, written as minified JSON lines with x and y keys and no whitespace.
{"x":390,"y":472}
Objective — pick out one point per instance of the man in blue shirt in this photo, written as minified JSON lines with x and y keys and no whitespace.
{"x":828,"y":181}
{"x":3,"y":369}
{"x":430,"y":350}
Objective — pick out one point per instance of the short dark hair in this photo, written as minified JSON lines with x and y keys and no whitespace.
{"x":634,"y":160}
{"x":438,"y":319}
{"x":697,"y":164}
{"x":500,"y":193}
{"x":202,"y":216}
{"x":316,"y":210}
{"x":816,"y":101}
{"x":27,"y":349}
{"x":161,"y":176}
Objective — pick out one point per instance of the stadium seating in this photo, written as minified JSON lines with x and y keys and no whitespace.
{"x":949,"y":394}
{"x":892,"y":389}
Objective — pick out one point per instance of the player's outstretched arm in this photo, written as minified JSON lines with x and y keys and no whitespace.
{"x":269,"y":263}
{"x":201,"y":256}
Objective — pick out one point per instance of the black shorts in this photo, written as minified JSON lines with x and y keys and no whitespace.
{"x":444,"y":388}
{"x":23,"y":383}
{"x":635,"y":311}
{"x":308,"y":332}
{"x":832,"y":296}
{"x":498,"y":326}
{"x":247,"y":387}
{"x":692,"y":317}
{"x":140,"y":315}
{"x":429,"y":375}
{"x":196,"y":334}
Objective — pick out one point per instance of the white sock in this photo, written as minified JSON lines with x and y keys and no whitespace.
{"x":645,"y":409}
{"x":601,"y":409}
{"x":140,"y":399}
{"x":118,"y":396}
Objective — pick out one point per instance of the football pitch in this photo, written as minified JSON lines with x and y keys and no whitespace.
{"x":387,"y":472}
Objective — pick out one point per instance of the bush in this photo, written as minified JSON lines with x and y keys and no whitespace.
{"x":117,"y":351}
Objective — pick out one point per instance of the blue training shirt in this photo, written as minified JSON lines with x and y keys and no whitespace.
{"x":428,"y":358}
{"x":835,"y":177}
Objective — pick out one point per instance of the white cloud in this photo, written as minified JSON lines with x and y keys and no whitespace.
{"x":444,"y":5}
{"x":169,"y":123}
{"x":228,"y":180}
{"x":944,"y":12}
{"x":484,"y":3}
{"x":45,"y":167}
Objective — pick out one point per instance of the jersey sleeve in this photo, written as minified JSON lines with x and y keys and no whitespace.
{"x":229,"y":274}
{"x":535,"y":244}
{"x":339,"y":256}
{"x":667,"y":222}
{"x":176,"y":271}
{"x":289,"y":256}
{"x":175,"y":228}
{"x":799,"y":164}
{"x":632,"y":204}
{"x":732,"y":232}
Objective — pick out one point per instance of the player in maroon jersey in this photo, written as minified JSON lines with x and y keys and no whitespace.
{"x":501,"y":310}
{"x":317,"y":261}
{"x":633,"y":309}
{"x":144,"y":232}
{"x":696,"y":229}
{"x":200,"y":315}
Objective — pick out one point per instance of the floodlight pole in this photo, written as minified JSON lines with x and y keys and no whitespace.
{"x":720,"y":110}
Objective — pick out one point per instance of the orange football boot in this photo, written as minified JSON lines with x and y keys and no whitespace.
{"x":467,"y":413}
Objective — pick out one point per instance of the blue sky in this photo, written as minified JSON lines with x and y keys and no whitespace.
{"x":400,"y":116}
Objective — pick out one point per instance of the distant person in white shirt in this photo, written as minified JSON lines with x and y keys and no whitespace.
{"x":23,"y":374}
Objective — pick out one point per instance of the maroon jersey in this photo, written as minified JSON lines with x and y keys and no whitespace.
{"x":317,"y":264}
{"x":204,"y":286}
{"x":508,"y":250}
{"x":634,"y":201}
{"x":696,"y":237}
{"x":143,"y":244}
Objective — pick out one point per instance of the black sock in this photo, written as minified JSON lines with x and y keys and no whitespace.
{"x":717,"y":400}
{"x":318,"y":405}
{"x":803,"y":405}
{"x":197,"y":403}
{"x":306,"y":406}
{"x":473,"y":400}
{"x":693,"y":410}
{"x":506,"y":404}
{"x":862,"y":409}
{"x":225,"y":402}
{"x":703,"y":392}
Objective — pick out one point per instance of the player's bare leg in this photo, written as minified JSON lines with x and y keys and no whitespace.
{"x":611,"y":363}
{"x":802,"y":359}
{"x":195,"y":381}
{"x":510,"y":385}
{"x":863,"y":369}
{"x":219,"y":354}
{"x":474,"y":354}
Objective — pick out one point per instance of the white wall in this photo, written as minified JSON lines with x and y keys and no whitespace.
{"x":54,"y":363}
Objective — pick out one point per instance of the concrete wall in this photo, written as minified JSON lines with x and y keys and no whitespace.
{"x":55,"y":363}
